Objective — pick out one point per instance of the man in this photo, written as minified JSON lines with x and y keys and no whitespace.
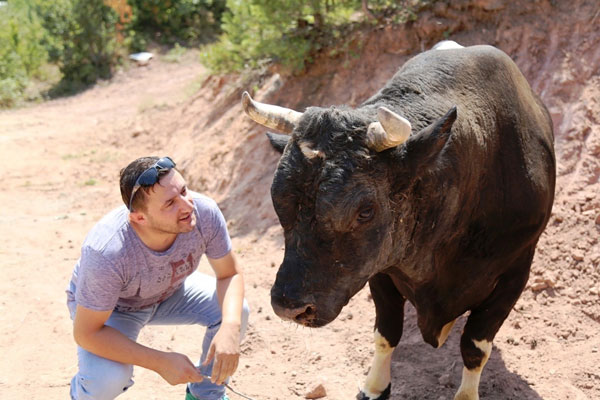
{"x":137,"y":268}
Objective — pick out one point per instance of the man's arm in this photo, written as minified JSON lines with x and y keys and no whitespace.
{"x":225,"y":347}
{"x":90,"y":333}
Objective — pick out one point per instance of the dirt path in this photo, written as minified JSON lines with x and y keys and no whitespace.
{"x":62,"y":160}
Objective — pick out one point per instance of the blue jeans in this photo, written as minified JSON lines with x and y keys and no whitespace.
{"x":194,"y":303}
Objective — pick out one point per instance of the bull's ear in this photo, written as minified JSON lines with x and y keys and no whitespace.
{"x":278,"y":141}
{"x":422,"y":149}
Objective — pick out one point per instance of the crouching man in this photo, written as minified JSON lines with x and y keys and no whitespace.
{"x":137,"y":268}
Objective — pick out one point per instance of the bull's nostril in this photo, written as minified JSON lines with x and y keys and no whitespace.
{"x":307,"y":315}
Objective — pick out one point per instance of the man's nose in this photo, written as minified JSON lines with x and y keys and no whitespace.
{"x":189,"y":203}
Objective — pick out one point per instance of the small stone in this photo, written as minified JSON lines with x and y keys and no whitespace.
{"x":537,"y":286}
{"x":444,"y":380}
{"x":316,"y":393}
{"x":577,"y":255}
{"x":517,"y":325}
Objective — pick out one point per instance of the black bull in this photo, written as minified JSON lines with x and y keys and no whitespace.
{"x":435,"y":190}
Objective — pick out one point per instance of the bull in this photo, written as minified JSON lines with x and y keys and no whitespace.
{"x":435,"y":190}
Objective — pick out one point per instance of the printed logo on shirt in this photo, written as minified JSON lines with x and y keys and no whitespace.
{"x":181,"y":269}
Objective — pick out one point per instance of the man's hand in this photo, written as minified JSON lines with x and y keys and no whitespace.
{"x":176,"y":368}
{"x":225,"y":349}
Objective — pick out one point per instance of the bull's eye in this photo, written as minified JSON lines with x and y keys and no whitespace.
{"x":366,"y":214}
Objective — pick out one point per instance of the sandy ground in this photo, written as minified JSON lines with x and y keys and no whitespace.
{"x":62,"y":160}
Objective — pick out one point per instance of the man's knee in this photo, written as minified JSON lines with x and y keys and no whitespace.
{"x":106,"y":382}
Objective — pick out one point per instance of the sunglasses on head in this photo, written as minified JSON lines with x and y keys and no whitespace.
{"x":151,"y":175}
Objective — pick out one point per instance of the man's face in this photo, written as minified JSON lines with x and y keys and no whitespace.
{"x":169,"y":207}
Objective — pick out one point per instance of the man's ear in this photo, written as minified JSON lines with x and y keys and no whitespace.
{"x":137,"y":217}
{"x":421,"y":150}
{"x":278,"y":141}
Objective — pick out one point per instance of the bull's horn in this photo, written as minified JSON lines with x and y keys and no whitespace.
{"x":279,"y":118}
{"x":391,"y":130}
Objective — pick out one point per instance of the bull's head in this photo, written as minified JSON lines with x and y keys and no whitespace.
{"x":336,"y":192}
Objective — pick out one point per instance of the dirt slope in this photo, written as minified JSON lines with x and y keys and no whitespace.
{"x":62,"y":160}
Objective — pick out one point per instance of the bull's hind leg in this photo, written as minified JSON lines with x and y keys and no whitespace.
{"x":483,"y":324}
{"x":389,"y":310}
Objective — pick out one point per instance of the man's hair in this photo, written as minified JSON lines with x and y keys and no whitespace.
{"x":129,"y":175}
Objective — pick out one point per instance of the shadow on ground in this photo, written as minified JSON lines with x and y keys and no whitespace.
{"x":421,"y":372}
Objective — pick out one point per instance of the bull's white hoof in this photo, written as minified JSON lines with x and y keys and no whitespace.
{"x":466,"y":395}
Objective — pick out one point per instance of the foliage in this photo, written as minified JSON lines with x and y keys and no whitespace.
{"x":78,"y":35}
{"x":174,"y":21}
{"x":87,"y":39}
{"x":292,"y":32}
{"x":175,"y":54}
{"x":21,"y":53}
{"x":259,"y":30}
{"x":89,"y":44}
{"x":57,"y":20}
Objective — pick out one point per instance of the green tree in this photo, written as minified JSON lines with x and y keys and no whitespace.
{"x":58,"y":20}
{"x":175,"y":21}
{"x":287,"y":31}
{"x":89,"y":45}
{"x":291,"y":32}
{"x":21,"y":53}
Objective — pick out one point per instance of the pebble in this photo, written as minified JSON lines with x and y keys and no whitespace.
{"x":444,"y":380}
{"x":577,"y":256}
{"x":316,"y":393}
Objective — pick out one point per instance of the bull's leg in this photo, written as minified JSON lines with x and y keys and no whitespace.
{"x":483,"y":324}
{"x":389,"y":311}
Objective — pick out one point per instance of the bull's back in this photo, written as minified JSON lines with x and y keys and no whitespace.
{"x":498,"y":168}
{"x":503,"y":136}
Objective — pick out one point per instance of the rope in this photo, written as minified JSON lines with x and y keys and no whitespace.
{"x":236,"y":392}
{"x":232,"y":389}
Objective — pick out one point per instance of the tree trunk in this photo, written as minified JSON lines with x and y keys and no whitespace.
{"x":365,"y":9}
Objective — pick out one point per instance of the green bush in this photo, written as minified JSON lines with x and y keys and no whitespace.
{"x":186,"y":22}
{"x":78,"y":35}
{"x":291,"y":32}
{"x":58,"y":20}
{"x":21,"y":53}
{"x":89,"y":45}
{"x":288,"y":32}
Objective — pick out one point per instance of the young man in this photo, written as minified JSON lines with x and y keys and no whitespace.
{"x":137,"y":268}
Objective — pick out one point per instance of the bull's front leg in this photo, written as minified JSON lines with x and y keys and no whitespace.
{"x":389,"y":309}
{"x":485,"y":321}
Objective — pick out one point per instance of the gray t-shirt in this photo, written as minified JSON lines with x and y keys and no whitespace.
{"x":116,"y":271}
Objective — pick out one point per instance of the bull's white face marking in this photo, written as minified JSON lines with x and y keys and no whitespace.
{"x":444,"y":333}
{"x":309,"y":152}
{"x":469,"y":386}
{"x":379,"y":375}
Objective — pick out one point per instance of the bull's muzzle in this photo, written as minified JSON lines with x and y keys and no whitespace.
{"x":303,"y":315}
